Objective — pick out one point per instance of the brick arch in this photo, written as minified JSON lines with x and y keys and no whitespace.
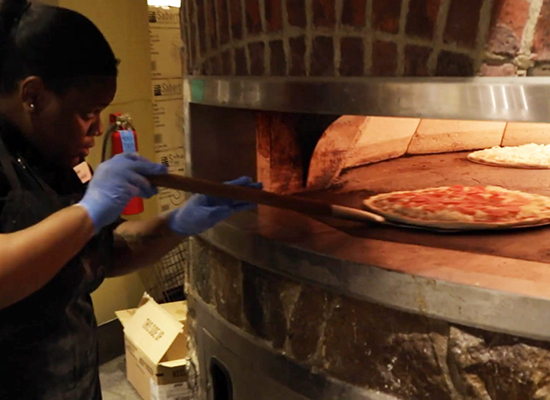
{"x":365,"y":38}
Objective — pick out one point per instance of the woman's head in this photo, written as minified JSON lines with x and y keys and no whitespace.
{"x":57,"y":72}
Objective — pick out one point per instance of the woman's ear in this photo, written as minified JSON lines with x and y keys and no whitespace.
{"x":32,"y":92}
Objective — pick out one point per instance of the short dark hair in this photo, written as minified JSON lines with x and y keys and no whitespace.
{"x":61,"y":46}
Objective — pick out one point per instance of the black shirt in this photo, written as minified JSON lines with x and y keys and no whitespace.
{"x":48,"y":342}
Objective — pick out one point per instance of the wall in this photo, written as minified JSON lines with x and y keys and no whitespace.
{"x":125,"y":25}
{"x":367,"y":37}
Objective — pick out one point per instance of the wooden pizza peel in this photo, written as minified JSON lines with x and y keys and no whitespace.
{"x":239,"y":193}
{"x":311,"y":207}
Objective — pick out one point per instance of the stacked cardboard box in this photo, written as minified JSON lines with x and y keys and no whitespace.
{"x":167,"y":88}
{"x":156,"y":349}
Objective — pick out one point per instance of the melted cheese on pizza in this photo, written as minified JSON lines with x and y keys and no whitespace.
{"x":464,"y":204}
{"x":527,"y":154}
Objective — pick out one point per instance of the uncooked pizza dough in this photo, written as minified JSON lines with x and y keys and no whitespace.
{"x":536,"y":156}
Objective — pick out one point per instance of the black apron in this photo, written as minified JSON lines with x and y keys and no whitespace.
{"x":48,"y":343}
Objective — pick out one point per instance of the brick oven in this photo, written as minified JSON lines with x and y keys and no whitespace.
{"x":337,"y":100}
{"x":366,"y":37}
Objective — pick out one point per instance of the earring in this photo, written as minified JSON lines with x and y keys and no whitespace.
{"x":33,"y":107}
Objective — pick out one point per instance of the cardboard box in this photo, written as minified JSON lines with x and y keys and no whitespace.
{"x":174,"y":159}
{"x":165,"y":42}
{"x":167,"y":89}
{"x":164,"y":17}
{"x":168,"y":113}
{"x":156,"y":349}
{"x":169,"y":132}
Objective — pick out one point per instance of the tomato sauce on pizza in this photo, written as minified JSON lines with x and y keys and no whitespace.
{"x":464,"y":207}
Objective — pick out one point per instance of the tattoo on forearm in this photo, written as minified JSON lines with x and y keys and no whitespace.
{"x":142,"y":237}
{"x":135,"y":241}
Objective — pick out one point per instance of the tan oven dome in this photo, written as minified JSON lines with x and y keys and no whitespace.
{"x":353,"y":141}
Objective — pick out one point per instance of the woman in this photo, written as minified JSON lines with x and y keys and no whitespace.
{"x":58,"y":238}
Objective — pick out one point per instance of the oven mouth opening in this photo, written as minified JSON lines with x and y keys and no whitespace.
{"x":356,"y":157}
{"x":222,"y":385}
{"x":298,"y":153}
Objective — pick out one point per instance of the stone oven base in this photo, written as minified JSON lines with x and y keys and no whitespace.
{"x":255,"y":370}
{"x":276,"y":334}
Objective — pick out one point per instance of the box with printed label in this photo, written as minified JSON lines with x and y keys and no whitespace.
{"x":174,"y":159}
{"x":156,"y":349}
{"x":167,"y":89}
{"x":168,"y":113}
{"x":168,"y":117}
{"x":164,"y":17}
{"x":165,"y":42}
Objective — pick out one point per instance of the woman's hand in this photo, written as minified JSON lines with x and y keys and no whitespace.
{"x":115,"y":183}
{"x":202,"y":212}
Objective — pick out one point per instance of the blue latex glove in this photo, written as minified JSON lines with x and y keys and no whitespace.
{"x":202,"y":212}
{"x":115,"y":183}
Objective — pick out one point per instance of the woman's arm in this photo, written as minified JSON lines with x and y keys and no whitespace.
{"x":141,"y":243}
{"x":30,"y":258}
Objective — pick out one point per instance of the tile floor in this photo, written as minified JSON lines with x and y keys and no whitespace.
{"x":113,"y":381}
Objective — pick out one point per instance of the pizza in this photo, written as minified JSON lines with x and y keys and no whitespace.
{"x":536,"y":156}
{"x":463,"y":207}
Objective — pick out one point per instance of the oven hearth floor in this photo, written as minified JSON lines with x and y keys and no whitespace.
{"x":515,"y":261}
{"x":417,"y":172}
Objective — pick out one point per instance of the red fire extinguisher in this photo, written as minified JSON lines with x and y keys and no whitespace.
{"x":123,"y":140}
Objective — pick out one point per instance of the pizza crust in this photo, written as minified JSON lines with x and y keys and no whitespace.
{"x":458,"y":226}
{"x":529,"y":156}
{"x":506,"y":165}
{"x":371,"y":205}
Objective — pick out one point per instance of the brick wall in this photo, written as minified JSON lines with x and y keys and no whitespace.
{"x":366,"y":37}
